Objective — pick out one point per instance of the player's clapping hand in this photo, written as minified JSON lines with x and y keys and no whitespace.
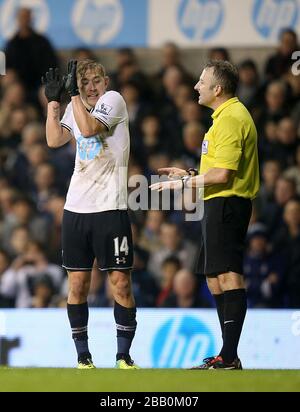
{"x":53,"y":85}
{"x":171,"y":184}
{"x":70,"y":79}
{"x":172,"y":172}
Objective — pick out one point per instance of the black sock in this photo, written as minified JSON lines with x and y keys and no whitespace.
{"x":219,"y":299}
{"x":126,"y":326}
{"x":78,"y":317}
{"x":235,"y":307}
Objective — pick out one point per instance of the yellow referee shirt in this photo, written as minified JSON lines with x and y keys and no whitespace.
{"x":231,"y":143}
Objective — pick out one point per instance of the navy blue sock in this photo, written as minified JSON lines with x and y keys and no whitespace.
{"x":78,"y":317}
{"x":126,"y":326}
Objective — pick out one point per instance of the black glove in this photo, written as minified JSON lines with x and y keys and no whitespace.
{"x":53,"y":85}
{"x":71,"y":79}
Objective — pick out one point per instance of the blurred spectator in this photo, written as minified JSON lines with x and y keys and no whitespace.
{"x":270,"y":174}
{"x":5,"y":302}
{"x":150,"y":140}
{"x":172,"y":244}
{"x":218,"y":53}
{"x":263,"y":273}
{"x":19,"y":279}
{"x":17,"y":242}
{"x":285,"y":190}
{"x":275,"y":107}
{"x":289,"y":230}
{"x":170,"y":57}
{"x":149,"y":239}
{"x":248,"y":83}
{"x":54,"y":207}
{"x":25,"y":163}
{"x":144,"y":285}
{"x":43,"y":292}
{"x":136,"y":108}
{"x":293,"y":172}
{"x":123,"y":57}
{"x":172,"y":78}
{"x":30,"y":54}
{"x":193,"y":134}
{"x":32,"y":133}
{"x":157,"y":161}
{"x":186,"y":292}
{"x":23,"y":214}
{"x":169,"y":268}
{"x":82,"y":53}
{"x":44,"y":185}
{"x":7,"y":197}
{"x":287,"y":139}
{"x":280,"y":62}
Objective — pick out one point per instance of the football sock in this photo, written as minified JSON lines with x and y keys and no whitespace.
{"x":78,"y":317}
{"x":219,"y":299}
{"x":235,"y":307}
{"x":126,"y":326}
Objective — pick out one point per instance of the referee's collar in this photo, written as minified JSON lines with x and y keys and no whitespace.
{"x":223,"y":106}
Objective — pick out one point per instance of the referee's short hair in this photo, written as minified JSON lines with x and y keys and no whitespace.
{"x":225,"y":74}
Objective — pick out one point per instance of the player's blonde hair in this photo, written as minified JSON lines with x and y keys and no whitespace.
{"x":84,"y":65}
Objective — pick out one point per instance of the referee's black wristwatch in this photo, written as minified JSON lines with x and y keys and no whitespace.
{"x":192,"y":172}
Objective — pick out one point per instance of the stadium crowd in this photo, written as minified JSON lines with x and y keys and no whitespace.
{"x":167,"y":127}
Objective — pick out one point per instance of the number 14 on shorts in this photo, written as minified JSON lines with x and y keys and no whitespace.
{"x":121,"y":247}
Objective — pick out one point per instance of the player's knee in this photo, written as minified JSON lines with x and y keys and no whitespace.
{"x":122,"y":286}
{"x":78,"y":289}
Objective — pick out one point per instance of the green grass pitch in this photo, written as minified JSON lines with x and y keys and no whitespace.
{"x":146,"y":380}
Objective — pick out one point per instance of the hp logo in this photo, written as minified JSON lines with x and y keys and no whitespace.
{"x":271,"y":16}
{"x":200,"y":19}
{"x":182,"y":342}
{"x":97,"y":21}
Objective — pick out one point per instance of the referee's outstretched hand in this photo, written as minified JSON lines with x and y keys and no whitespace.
{"x":53,"y":85}
{"x":70,"y":79}
{"x":167,"y":185}
{"x":172,"y":172}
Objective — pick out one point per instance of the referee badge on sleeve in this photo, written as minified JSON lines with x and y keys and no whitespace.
{"x":204,"y":147}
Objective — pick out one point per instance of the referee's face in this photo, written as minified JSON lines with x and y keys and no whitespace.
{"x":92,"y":86}
{"x":205,"y":89}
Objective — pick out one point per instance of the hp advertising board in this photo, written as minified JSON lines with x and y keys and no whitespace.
{"x":73,"y":23}
{"x":165,"y":338}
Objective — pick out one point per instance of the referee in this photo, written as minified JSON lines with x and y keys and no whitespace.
{"x":229,"y":172}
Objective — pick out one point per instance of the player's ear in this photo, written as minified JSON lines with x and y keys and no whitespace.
{"x":106,"y":81}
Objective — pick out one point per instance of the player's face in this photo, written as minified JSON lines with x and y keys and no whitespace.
{"x":92,"y":86}
{"x":205,"y":87}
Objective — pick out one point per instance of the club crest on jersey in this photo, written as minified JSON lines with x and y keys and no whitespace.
{"x":204,"y":147}
{"x":104,"y":109}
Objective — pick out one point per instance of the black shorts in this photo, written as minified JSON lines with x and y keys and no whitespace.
{"x":104,"y":235}
{"x":224,"y":228}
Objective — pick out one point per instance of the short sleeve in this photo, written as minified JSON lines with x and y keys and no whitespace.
{"x":110,"y":109}
{"x":229,"y":144}
{"x":67,"y":119}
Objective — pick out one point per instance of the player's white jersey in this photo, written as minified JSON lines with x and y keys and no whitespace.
{"x":99,"y":180}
